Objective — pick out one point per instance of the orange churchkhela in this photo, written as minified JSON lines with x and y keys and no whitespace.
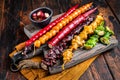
{"x":79,"y":40}
{"x":61,"y":24}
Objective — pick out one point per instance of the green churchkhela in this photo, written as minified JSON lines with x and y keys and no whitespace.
{"x":106,"y":37}
{"x":101,"y":34}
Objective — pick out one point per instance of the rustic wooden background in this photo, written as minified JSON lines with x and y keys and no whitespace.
{"x":14,"y":15}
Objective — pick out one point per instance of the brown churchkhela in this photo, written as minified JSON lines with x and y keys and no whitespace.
{"x":55,"y":53}
{"x":79,"y":40}
{"x":61,"y":24}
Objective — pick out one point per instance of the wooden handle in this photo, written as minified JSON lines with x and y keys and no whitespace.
{"x":20,"y":46}
{"x":17,"y":48}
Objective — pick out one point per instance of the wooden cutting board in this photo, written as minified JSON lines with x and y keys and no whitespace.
{"x":79,"y":55}
{"x":82,"y":55}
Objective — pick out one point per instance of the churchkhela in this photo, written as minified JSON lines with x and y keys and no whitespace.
{"x":106,"y":37}
{"x":48,"y":32}
{"x":74,"y":29}
{"x":68,"y":28}
{"x":92,"y":41}
{"x":60,"y":25}
{"x":55,"y":53}
{"x":49,"y":26}
{"x":79,"y":40}
{"x":102,"y":34}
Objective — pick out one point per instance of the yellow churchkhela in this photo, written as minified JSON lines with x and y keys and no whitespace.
{"x":79,"y":40}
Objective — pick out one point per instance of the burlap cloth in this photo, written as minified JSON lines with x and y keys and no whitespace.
{"x":73,"y":73}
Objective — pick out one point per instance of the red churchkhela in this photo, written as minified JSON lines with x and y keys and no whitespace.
{"x":68,"y":28}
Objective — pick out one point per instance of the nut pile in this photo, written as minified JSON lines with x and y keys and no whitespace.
{"x":40,"y":15}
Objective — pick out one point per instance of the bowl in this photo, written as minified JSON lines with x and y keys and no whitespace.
{"x":43,"y":22}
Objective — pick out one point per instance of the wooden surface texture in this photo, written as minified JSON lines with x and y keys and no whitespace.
{"x":14,"y":16}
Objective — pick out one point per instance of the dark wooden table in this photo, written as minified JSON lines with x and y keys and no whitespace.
{"x":14,"y":13}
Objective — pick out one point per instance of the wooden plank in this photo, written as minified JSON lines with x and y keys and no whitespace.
{"x":115,"y":6}
{"x":1,"y":30}
{"x":13,"y":76}
{"x":99,"y":67}
{"x":87,"y":75}
{"x":6,"y":43}
{"x":64,"y":5}
{"x":2,"y":20}
{"x":53,"y":5}
{"x":38,"y":3}
{"x":113,"y":61}
{"x":74,"y":2}
{"x":112,"y":58}
{"x":11,"y":35}
{"x":26,"y":8}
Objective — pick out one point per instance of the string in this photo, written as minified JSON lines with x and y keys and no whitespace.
{"x":34,"y":50}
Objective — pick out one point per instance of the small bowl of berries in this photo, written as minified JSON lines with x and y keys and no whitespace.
{"x":41,"y":16}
